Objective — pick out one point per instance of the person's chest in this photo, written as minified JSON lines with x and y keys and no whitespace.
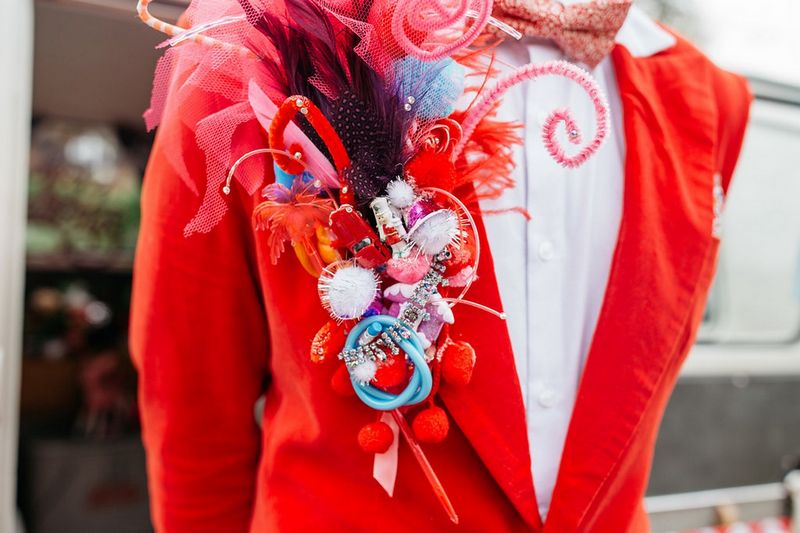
{"x":552,"y":269}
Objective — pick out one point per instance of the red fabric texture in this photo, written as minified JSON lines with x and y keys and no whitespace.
{"x":214,"y":325}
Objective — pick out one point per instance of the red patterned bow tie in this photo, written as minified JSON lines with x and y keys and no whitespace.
{"x":585,"y":32}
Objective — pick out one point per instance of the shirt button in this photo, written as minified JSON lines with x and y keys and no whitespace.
{"x":547,"y":397}
{"x":546,"y":251}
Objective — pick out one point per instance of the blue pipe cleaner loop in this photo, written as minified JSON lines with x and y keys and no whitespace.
{"x":419,"y":386}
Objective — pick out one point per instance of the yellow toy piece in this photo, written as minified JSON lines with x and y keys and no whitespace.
{"x":325,"y":245}
{"x":317,"y":252}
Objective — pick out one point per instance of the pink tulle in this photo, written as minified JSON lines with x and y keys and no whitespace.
{"x":205,"y":89}
{"x":234,"y":128}
{"x":426,"y":17}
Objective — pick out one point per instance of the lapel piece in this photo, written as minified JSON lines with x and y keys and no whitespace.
{"x":489,"y":410}
{"x":664,"y":242}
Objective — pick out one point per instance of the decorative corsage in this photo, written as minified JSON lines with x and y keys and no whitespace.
{"x":378,"y":121}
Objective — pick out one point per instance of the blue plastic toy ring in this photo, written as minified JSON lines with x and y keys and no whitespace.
{"x":419,"y":386}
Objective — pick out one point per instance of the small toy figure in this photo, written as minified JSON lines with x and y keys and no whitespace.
{"x":390,"y":227}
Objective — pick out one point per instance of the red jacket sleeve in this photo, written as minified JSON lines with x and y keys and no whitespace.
{"x":199,"y":341}
{"x":733,"y":101}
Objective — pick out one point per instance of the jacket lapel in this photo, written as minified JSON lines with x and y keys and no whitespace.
{"x":664,"y":242}
{"x":489,"y":410}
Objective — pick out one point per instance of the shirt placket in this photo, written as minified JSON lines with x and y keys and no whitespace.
{"x":545,"y":238}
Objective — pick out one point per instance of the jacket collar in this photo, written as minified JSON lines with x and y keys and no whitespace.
{"x":659,"y":271}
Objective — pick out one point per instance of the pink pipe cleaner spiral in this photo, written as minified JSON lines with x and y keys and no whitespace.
{"x":529,"y":72}
{"x":427,"y":17}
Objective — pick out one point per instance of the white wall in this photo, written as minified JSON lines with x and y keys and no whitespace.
{"x":16,"y":59}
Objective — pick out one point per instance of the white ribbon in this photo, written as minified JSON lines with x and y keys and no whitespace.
{"x":384,"y":466}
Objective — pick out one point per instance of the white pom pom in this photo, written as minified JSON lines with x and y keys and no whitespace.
{"x":435,"y":231}
{"x":400,"y":193}
{"x":365,"y":372}
{"x":347,"y":290}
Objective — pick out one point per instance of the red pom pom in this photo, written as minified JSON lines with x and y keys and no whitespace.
{"x":432,"y":169}
{"x":458,"y":362}
{"x":340,"y":382}
{"x":431,"y":425}
{"x":375,"y":437}
{"x":461,"y":256}
{"x":391,"y":373}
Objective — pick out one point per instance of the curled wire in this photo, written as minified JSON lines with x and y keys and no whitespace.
{"x":487,"y":101}
{"x":142,"y":8}
{"x":433,"y":16}
{"x":202,"y":28}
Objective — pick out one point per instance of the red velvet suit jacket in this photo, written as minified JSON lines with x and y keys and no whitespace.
{"x":215,"y":325}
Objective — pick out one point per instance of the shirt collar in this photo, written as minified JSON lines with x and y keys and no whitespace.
{"x":641,"y":35}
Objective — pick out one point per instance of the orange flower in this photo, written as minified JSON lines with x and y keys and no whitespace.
{"x":291,"y":215}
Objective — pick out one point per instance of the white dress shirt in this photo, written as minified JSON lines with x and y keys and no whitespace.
{"x":552,"y":271}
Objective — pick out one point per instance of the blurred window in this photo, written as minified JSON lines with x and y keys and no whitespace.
{"x":756,"y":295}
{"x":757,"y":39}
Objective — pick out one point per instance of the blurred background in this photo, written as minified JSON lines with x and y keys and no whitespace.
{"x":731,"y":433}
